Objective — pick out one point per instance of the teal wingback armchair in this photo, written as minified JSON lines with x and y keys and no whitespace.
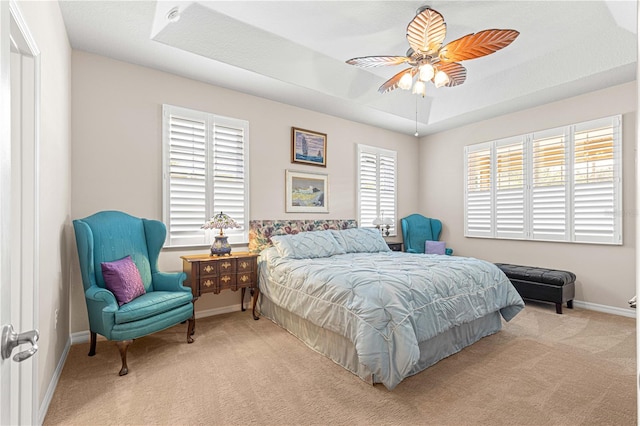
{"x":416,"y":229}
{"x":111,"y":235}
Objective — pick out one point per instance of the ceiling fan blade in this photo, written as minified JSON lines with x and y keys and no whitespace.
{"x":477,"y":45}
{"x":456,"y":72}
{"x":426,"y":32}
{"x":392,"y":83}
{"x":377,"y":61}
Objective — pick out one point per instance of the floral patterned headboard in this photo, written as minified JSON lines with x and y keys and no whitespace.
{"x":260,"y":231}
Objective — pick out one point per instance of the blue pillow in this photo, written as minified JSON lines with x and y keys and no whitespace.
{"x":123,"y":279}
{"x":306,"y":245}
{"x":361,"y":240}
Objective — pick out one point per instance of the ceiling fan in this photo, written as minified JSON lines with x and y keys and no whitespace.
{"x":431,"y":61}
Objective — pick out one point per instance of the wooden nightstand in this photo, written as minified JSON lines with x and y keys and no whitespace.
{"x":212,"y":274}
{"x":394,"y":246}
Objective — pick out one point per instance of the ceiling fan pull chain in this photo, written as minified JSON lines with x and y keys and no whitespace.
{"x":416,"y":134}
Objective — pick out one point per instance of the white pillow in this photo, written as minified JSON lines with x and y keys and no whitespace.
{"x":361,"y":240}
{"x":306,"y":245}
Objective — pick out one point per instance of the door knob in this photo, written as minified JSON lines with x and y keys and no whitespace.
{"x":11,"y":339}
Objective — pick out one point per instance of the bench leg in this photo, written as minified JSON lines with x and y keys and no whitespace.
{"x":570,"y":304}
{"x":559,"y":308}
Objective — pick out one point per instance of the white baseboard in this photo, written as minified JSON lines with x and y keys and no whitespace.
{"x":83,"y":336}
{"x":44,"y":407}
{"x":79,"y":337}
{"x":625,"y":312}
{"x":219,"y":311}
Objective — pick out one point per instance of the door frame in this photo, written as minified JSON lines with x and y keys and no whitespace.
{"x":21,"y":301}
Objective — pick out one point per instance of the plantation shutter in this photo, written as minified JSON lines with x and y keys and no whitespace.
{"x":388,"y":189}
{"x":376,"y":186}
{"x":561,"y":184}
{"x":229,"y":175}
{"x":478,"y":199}
{"x":368,"y":188}
{"x":186,"y":163}
{"x":205,"y":172}
{"x":596,"y":171}
{"x":510,"y":181}
{"x":549,"y":185}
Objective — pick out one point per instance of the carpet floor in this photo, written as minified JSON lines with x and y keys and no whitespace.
{"x":578,"y":368}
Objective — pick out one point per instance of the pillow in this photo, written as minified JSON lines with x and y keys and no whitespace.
{"x":361,"y":240}
{"x":434,"y":247}
{"x":123,"y":279}
{"x":306,"y":245}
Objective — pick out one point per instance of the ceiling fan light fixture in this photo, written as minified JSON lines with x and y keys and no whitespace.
{"x":426,"y":71}
{"x":426,"y":33}
{"x":420,"y":88}
{"x":441,"y":78}
{"x":405,"y":81}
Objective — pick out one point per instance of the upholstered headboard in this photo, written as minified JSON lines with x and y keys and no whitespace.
{"x":260,"y":231}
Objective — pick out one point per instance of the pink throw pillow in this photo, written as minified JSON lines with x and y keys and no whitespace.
{"x":123,"y":279}
{"x":434,"y":247}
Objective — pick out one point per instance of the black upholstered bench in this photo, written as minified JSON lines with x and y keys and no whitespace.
{"x":547,"y":285}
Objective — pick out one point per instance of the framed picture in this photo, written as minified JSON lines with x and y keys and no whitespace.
{"x":307,"y":192}
{"x":308,"y":147}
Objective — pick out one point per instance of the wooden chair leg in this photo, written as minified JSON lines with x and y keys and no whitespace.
{"x":191,"y":329}
{"x":558,"y":308}
{"x":123,"y":345}
{"x":92,"y":346}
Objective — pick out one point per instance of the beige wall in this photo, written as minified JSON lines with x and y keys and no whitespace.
{"x":47,"y":27}
{"x":605,"y":274}
{"x":116,"y":129}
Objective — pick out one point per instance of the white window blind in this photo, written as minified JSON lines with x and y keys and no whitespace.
{"x":597,"y":176}
{"x":560,"y":184}
{"x":549,"y":192}
{"x":479,"y":200}
{"x":205,"y":171}
{"x":509,"y":189}
{"x":376,"y":186}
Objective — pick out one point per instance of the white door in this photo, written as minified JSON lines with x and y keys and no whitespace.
{"x":19,"y":118}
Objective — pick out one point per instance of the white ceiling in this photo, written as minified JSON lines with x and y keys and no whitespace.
{"x":295,"y":52}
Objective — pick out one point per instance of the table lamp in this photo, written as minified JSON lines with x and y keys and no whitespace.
{"x":220,"y":245}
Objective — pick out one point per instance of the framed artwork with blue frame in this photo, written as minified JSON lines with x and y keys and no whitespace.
{"x":308,"y":147}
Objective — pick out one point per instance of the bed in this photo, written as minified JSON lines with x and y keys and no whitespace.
{"x":382,"y":315}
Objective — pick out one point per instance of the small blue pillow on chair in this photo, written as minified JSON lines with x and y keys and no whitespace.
{"x":434,"y":247}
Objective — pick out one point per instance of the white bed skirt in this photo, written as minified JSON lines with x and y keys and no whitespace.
{"x":342,"y":351}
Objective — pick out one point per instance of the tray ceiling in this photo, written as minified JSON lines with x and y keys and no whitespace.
{"x":294,"y":52}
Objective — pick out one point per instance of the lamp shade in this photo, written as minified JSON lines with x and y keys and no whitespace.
{"x":441,"y":79}
{"x":220,"y":221}
{"x":220,"y":245}
{"x":426,"y":72}
{"x":405,"y":81}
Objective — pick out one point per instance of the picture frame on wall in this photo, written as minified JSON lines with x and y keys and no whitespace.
{"x":306,"y":192}
{"x":308,"y":147}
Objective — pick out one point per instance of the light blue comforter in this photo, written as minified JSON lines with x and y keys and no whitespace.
{"x":387,"y":303}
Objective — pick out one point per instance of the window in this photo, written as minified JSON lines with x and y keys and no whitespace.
{"x":555,"y":185}
{"x":205,"y":171}
{"x":376,"y":186}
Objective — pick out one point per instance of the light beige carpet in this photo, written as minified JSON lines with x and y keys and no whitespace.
{"x":541,"y":369}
